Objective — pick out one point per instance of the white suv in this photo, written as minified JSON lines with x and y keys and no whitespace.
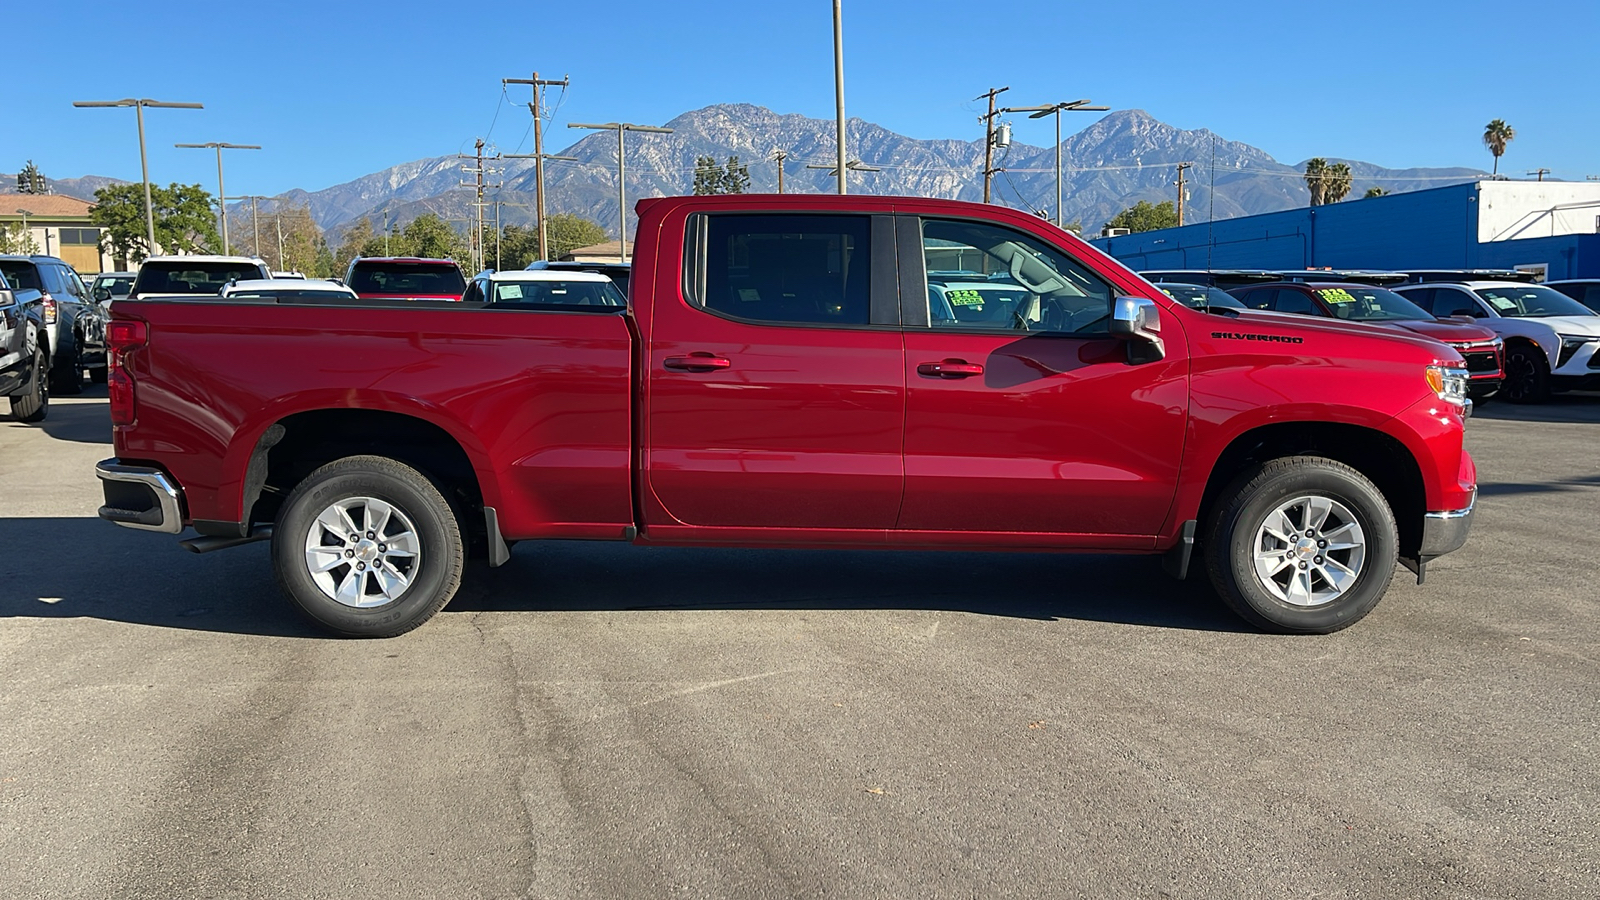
{"x":1551,"y":339}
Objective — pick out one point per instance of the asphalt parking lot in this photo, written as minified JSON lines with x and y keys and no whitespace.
{"x":605,"y":721}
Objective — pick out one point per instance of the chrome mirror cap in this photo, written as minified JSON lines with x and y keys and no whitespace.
{"x":1138,"y":319}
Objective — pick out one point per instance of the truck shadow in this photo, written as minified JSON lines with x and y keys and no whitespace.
{"x":1577,"y":408}
{"x":84,"y":419}
{"x":146,"y":579}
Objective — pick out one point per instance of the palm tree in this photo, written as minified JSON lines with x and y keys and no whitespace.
{"x":1316,"y":179}
{"x":1496,"y":135}
{"x":1336,"y":183}
{"x":1373,"y":192}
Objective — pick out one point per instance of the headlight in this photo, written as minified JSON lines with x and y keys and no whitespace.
{"x":1450,"y":383}
{"x":1570,"y":344}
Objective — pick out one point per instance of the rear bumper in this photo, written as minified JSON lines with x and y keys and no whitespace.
{"x":1445,"y":532}
{"x":140,"y":497}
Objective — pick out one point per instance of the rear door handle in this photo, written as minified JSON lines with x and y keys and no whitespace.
{"x":950,"y":368}
{"x":697,"y":362}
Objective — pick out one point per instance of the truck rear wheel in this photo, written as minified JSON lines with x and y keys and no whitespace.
{"x":368,"y":547}
{"x":1302,"y":545}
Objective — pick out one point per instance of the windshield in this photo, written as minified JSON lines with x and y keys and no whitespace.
{"x":1200,"y":296}
{"x":1364,"y":304}
{"x":530,"y":294}
{"x":431,"y":279}
{"x":187,"y":277}
{"x":1532,"y":302}
{"x":117,"y":286}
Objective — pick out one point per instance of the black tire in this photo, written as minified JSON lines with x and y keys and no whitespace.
{"x":1242,"y":510}
{"x":34,"y":403}
{"x":66,"y":376}
{"x":1527,"y":375}
{"x":438,"y":565}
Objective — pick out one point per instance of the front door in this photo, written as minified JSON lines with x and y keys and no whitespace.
{"x":774,"y":394}
{"x":1023,"y":414}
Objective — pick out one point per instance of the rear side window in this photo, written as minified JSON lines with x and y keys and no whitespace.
{"x":1256,"y":299}
{"x":1292,"y":301}
{"x":407,"y":278}
{"x":803,"y":269}
{"x":181,"y":277}
{"x":1450,"y":302}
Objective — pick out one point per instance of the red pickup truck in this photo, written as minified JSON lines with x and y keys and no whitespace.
{"x":797,"y":371}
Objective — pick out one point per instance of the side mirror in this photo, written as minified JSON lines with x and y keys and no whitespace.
{"x":102,"y":294}
{"x":1137,"y":320}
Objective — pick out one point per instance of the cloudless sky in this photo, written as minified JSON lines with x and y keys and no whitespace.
{"x":335,"y":90}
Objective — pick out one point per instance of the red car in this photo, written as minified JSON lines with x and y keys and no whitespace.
{"x":1482,"y":349}
{"x":799,"y":371}
{"x":405,"y":278}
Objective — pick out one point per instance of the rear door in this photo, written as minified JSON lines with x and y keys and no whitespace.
{"x":774,"y":395}
{"x":1023,"y":414}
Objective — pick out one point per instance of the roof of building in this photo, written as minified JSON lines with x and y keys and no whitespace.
{"x":599,"y":252}
{"x":45,"y":206}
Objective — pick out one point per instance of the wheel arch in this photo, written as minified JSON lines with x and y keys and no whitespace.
{"x":1382,"y":458}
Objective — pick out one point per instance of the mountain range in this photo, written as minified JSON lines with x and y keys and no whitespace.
{"x":1122,"y":158}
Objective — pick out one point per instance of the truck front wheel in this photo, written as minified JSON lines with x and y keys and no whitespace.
{"x":368,"y":547}
{"x":1302,"y":545}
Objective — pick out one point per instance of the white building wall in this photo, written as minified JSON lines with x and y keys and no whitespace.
{"x":1513,"y":210}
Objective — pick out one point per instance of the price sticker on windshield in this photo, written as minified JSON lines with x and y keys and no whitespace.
{"x":1336,"y":295}
{"x":966,"y":298}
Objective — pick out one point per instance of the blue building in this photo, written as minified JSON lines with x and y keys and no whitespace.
{"x":1553,"y":227}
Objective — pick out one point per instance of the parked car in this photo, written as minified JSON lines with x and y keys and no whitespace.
{"x":1583,"y":290}
{"x":1481,"y":348}
{"x":618,"y":272}
{"x":405,"y":278}
{"x":1550,"y":338}
{"x":288,"y":290}
{"x":197,"y":275}
{"x":543,"y":289}
{"x":24,"y":357}
{"x":1430,"y":276}
{"x":779,"y":379}
{"x":1199,"y":296}
{"x":1225,"y":279}
{"x":75,"y":324}
{"x":109,"y":286}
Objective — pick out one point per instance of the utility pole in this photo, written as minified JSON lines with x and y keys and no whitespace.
{"x":988,"y":137}
{"x":1541,"y":173}
{"x":622,"y":128}
{"x":476,"y":244}
{"x":278,"y":218}
{"x":1179,"y":182}
{"x":144,"y":164}
{"x":778,"y":156}
{"x":538,"y":150}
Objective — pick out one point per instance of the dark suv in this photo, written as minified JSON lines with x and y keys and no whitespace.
{"x":74,"y":324}
{"x":22,"y":354}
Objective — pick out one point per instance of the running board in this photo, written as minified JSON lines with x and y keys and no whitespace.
{"x":208,"y":543}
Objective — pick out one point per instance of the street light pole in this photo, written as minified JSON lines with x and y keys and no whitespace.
{"x":144,"y":164}
{"x":222,"y":191}
{"x":838,"y":87}
{"x":622,"y":171}
{"x":1056,"y":109}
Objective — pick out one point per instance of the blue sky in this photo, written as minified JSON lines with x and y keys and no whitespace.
{"x":337,"y":90}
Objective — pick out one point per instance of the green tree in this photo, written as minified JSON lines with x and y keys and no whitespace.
{"x":31,"y":181}
{"x":518,"y":246}
{"x":183,"y":219}
{"x":1316,"y":180}
{"x":1143,"y":217}
{"x":711,"y":177}
{"x":1336,"y":183}
{"x":1496,"y":135}
{"x":356,"y":241}
{"x":431,"y":237}
{"x":16,"y":239}
{"x":1374,"y":192}
{"x":567,"y":232}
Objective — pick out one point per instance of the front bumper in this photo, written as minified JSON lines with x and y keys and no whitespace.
{"x":1445,"y":532}
{"x":140,"y":497}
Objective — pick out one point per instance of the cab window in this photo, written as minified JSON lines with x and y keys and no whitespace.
{"x":985,"y":277}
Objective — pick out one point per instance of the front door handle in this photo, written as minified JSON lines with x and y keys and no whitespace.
{"x":697,"y":362}
{"x":950,"y":368}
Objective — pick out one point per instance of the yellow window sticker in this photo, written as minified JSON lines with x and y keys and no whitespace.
{"x":1336,"y":295}
{"x":965,"y":298}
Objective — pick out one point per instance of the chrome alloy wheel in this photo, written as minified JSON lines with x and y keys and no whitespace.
{"x":1309,"y":551}
{"x":362,"y":552}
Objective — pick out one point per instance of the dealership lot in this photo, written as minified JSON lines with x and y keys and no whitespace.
{"x":597,"y":720}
